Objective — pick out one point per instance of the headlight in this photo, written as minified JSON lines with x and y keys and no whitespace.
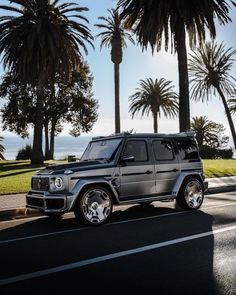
{"x":59,"y":183}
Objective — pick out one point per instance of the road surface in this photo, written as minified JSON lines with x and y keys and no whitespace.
{"x":155,"y":249}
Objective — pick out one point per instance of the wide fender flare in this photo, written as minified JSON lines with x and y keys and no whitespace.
{"x":81,"y":184}
{"x":181,"y":179}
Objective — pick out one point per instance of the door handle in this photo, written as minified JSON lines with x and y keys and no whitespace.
{"x":148,"y":172}
{"x":175,"y":170}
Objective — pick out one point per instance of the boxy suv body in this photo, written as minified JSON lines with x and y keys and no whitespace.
{"x":122,"y":169}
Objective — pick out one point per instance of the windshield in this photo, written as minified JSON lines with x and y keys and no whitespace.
{"x":101,"y":150}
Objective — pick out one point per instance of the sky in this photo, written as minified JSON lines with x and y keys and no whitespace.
{"x":138,"y":65}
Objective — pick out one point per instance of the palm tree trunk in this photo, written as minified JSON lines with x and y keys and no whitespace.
{"x":184,"y":109}
{"x":228,"y":114}
{"x":155,"y":122}
{"x":37,"y":152}
{"x":117,"y":97}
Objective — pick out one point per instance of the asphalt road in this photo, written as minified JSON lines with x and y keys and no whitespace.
{"x":156,"y":249}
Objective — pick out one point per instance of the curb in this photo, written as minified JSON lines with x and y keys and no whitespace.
{"x":18,"y":213}
{"x":222,"y":189}
{"x":23,"y":212}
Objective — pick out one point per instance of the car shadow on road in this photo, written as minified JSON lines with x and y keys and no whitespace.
{"x":179,"y":267}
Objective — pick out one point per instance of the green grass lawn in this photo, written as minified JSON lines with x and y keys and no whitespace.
{"x":219,"y":168}
{"x":15,"y":176}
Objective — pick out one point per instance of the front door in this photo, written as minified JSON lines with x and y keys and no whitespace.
{"x":166,"y":166}
{"x":137,"y":178}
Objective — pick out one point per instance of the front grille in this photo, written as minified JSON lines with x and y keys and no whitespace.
{"x":54,"y":204}
{"x":36,"y":202}
{"x":40,"y":183}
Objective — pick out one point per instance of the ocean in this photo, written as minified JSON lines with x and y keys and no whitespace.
{"x":64,"y":146}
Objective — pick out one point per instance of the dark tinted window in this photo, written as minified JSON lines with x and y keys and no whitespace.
{"x":188,"y":150}
{"x":163,"y":150}
{"x":138,"y":149}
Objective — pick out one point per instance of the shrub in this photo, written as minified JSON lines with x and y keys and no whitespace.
{"x":24,"y":153}
{"x":207,"y":152}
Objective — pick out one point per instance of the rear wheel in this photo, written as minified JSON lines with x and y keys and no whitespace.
{"x":94,"y":206}
{"x":191,"y":195}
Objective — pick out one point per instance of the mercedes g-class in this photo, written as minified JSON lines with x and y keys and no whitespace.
{"x":122,"y":169}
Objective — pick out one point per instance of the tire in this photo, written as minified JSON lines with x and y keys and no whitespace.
{"x":94,"y":205}
{"x":54,"y":216}
{"x":191,"y":194}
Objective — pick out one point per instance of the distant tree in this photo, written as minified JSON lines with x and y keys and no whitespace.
{"x":170,"y":22}
{"x":64,"y":102}
{"x":209,"y":69}
{"x":25,"y":153}
{"x":114,"y":36}
{"x":2,"y":149}
{"x":232,"y":105}
{"x":155,"y":96}
{"x":41,"y":39}
{"x":208,"y":133}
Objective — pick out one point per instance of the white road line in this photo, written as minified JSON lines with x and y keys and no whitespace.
{"x":108,"y":224}
{"x":86,"y":262}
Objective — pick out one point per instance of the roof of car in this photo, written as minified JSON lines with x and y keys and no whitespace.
{"x":146,"y":135}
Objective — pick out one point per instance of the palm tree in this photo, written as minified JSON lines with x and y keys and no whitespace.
{"x":41,"y":39}
{"x":232,"y":105}
{"x":155,"y":22}
{"x":154,"y":96}
{"x":2,"y":149}
{"x":207,"y":132}
{"x":209,"y":69}
{"x":114,"y":36}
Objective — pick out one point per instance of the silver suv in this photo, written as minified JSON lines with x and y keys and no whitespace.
{"x":122,"y":169}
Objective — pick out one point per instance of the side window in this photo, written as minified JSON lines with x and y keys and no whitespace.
{"x":163,"y":150}
{"x":188,"y":150}
{"x":138,"y":149}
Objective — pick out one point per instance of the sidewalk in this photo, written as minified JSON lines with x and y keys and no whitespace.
{"x":12,"y":206}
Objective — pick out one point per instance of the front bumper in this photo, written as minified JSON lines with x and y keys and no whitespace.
{"x":47,"y":202}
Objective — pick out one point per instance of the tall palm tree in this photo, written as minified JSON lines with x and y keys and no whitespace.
{"x":155,"y":96}
{"x":232,"y":105}
{"x":2,"y":149}
{"x":114,"y":36}
{"x":209,"y":69}
{"x":41,"y":39}
{"x":207,"y":132}
{"x":160,"y":21}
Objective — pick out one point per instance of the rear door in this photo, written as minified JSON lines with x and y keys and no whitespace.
{"x":137,"y":178}
{"x":166,"y":165}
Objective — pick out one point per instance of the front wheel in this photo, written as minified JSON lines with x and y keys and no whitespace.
{"x":191,"y":194}
{"x":94,"y":205}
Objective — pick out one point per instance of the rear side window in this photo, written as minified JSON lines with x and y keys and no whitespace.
{"x":188,"y":150}
{"x":138,"y":149}
{"x":163,"y":150}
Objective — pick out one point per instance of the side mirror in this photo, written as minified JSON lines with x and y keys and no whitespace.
{"x":127,"y":158}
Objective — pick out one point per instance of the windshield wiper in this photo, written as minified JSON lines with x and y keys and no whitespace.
{"x":101,"y":159}
{"x":97,"y":159}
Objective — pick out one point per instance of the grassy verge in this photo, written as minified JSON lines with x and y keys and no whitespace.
{"x":15,"y":176}
{"x":219,"y":168}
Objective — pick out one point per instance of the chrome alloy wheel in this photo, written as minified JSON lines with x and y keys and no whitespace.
{"x":193,"y":194}
{"x":96,"y":205}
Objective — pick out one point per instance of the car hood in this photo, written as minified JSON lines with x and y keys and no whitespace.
{"x":74,"y":167}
